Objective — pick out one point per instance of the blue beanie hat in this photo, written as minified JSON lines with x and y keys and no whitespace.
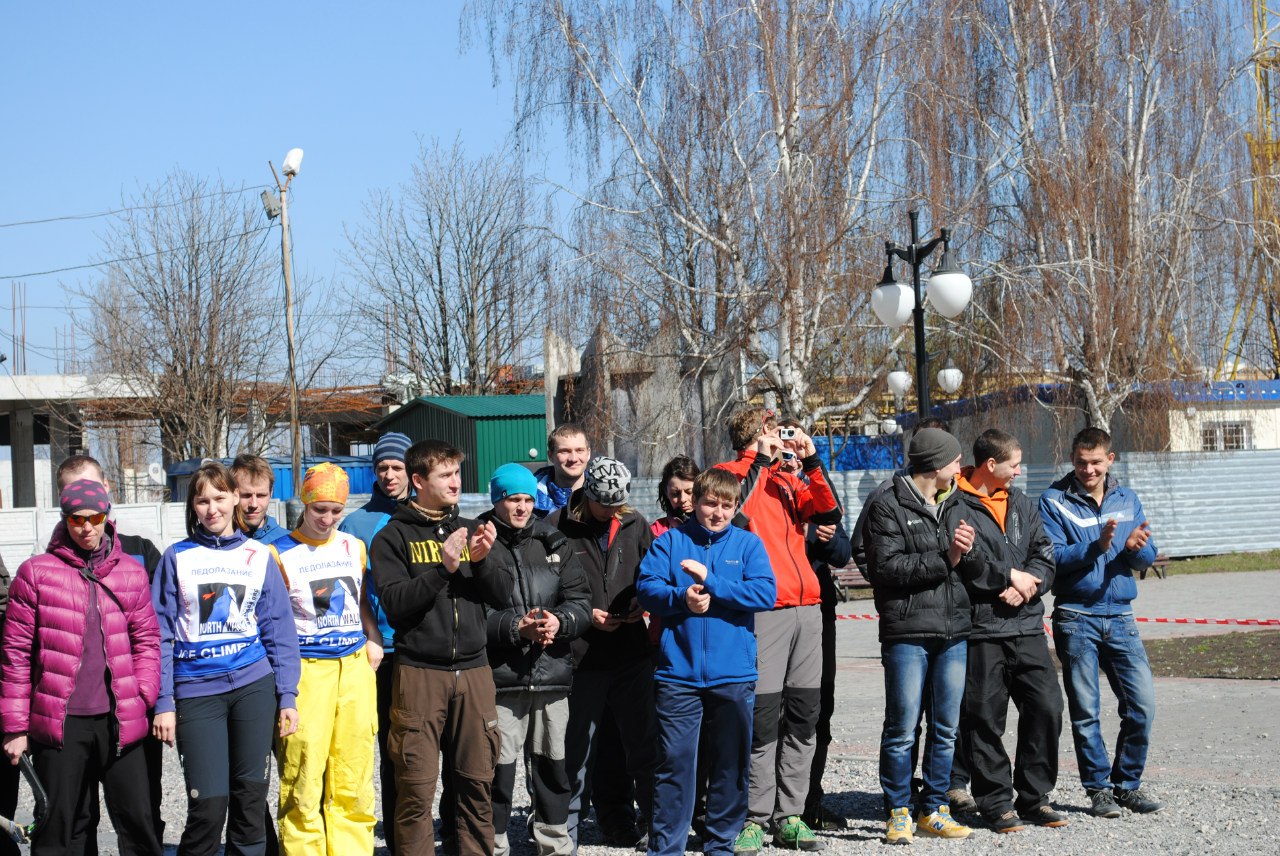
{"x":511,"y":479}
{"x":391,"y":446}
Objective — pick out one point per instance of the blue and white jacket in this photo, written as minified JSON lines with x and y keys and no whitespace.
{"x":364,"y":524}
{"x":550,"y":496}
{"x":718,"y":646}
{"x":1087,"y":579}
{"x":269,"y":532}
{"x":225,"y":619}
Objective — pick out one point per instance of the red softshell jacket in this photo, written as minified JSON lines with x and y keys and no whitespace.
{"x":779,"y":507}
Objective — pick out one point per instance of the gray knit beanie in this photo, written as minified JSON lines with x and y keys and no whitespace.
{"x":932,"y":449}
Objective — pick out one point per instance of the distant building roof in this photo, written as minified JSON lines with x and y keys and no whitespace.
{"x":1187,"y":392}
{"x":474,"y":406}
{"x":489,"y":405}
{"x":1228,"y":390}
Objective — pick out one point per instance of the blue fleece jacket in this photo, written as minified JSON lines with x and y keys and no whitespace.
{"x":1088,"y":579}
{"x":225,"y":619}
{"x":718,"y":646}
{"x":364,"y":524}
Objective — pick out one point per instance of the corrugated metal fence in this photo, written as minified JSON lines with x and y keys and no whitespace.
{"x":1198,"y":503}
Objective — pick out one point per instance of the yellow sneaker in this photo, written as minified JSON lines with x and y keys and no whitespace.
{"x":898,"y":828}
{"x":940,"y":825}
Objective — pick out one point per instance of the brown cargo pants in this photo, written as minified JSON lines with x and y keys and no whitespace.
{"x":432,"y":709}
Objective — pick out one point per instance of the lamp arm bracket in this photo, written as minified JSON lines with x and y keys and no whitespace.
{"x":924,"y":250}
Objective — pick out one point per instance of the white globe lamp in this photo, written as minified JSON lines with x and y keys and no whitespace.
{"x":949,"y":288}
{"x":892,"y":301}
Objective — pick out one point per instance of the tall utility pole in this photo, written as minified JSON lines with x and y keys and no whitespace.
{"x":292,"y":163}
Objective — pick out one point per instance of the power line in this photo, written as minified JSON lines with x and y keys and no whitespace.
{"x":140,"y":257}
{"x":154,"y":207}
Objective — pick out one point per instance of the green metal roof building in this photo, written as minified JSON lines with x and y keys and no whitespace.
{"x":491,"y":429}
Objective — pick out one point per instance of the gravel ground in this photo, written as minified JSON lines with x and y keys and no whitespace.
{"x":1214,"y":757}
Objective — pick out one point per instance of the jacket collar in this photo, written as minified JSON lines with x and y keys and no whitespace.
{"x":65,"y":550}
{"x":406,"y":512}
{"x":701,"y":535}
{"x":1071,"y":486}
{"x":909,"y":495}
{"x":507,"y":534}
{"x":204,"y":538}
{"x":379,"y":501}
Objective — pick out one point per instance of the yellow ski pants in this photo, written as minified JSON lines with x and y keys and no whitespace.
{"x":326,"y":767}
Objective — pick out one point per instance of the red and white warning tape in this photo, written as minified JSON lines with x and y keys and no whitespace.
{"x":1250,"y":622}
{"x":1253,"y":622}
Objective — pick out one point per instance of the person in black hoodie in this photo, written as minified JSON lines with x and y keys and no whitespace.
{"x":1008,"y":653}
{"x":442,"y":691}
{"x":613,"y":665}
{"x":919,"y":548}
{"x":547,"y":604}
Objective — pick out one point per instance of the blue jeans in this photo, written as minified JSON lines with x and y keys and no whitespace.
{"x":1086,"y":643}
{"x":909,"y":666}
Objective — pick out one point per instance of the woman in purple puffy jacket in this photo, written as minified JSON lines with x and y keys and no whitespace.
{"x":80,"y":667}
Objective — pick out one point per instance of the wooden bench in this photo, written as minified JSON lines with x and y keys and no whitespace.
{"x":847,"y":579}
{"x":1160,"y":567}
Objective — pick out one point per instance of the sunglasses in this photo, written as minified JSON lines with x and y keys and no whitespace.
{"x":87,"y":519}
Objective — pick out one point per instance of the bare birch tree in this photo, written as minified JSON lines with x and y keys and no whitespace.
{"x":451,"y":271}
{"x":1095,"y":152}
{"x":732,"y":146}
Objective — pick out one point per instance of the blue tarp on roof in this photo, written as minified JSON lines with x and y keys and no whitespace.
{"x":359,"y":471}
{"x":861,"y":452}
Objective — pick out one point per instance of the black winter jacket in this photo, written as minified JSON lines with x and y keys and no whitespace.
{"x":612,"y":577}
{"x":533,"y":567}
{"x":438,"y":617}
{"x":918,"y":593}
{"x":1022,"y":544}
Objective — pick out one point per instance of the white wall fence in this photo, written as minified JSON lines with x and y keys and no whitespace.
{"x":1198,"y":504}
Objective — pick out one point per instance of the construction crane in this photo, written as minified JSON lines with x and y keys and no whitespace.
{"x":1264,"y":151}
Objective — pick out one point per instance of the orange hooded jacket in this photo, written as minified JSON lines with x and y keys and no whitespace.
{"x":779,"y":507}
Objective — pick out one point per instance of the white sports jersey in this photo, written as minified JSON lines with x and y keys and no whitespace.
{"x":324,"y":580}
{"x":216,"y":629}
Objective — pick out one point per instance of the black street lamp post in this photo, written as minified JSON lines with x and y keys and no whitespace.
{"x":949,"y":290}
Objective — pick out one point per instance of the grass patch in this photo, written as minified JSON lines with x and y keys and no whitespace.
{"x":1268,"y":560}
{"x":1253,"y":655}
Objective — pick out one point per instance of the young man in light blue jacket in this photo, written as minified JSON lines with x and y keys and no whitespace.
{"x":1100,"y":537}
{"x":706,"y":579}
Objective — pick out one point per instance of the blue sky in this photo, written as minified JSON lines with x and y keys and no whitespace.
{"x":102,"y":99}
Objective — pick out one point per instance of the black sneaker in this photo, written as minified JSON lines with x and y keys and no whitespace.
{"x":1007,"y":822}
{"x":1043,"y":816}
{"x":1104,"y":804}
{"x":823,"y":819}
{"x":1137,"y":801}
{"x":620,"y":835}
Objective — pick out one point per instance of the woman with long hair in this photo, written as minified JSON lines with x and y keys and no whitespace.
{"x":675,"y":493}
{"x":229,"y":667}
